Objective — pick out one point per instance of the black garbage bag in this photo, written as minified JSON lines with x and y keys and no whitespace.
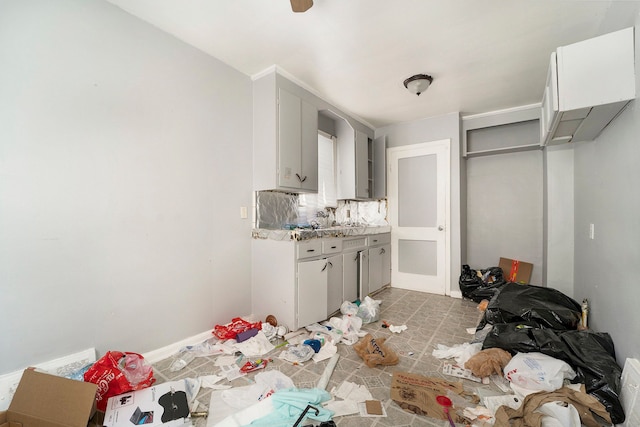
{"x":548,"y":307}
{"x":478,"y":285}
{"x":516,"y":337}
{"x":590,"y":354}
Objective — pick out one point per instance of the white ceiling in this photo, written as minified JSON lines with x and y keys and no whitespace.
{"x":484,"y":55}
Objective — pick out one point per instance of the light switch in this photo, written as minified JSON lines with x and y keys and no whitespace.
{"x":592,"y":231}
{"x":243,"y":212}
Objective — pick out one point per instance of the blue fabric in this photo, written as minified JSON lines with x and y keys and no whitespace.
{"x":290,"y":403}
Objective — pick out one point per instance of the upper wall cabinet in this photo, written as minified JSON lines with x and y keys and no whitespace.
{"x":355,"y":162}
{"x":588,"y":84}
{"x":285,"y":137}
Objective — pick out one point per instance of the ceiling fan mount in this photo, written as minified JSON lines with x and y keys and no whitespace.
{"x":301,"y":5}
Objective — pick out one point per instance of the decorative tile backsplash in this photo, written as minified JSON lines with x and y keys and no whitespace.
{"x":277,"y":210}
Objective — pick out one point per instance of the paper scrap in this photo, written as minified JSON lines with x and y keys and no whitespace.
{"x":231,"y":372}
{"x":352,"y":391}
{"x":457,"y":371}
{"x":342,"y":407}
{"x":397,"y":329}
{"x":364,"y":413}
{"x":326,"y":352}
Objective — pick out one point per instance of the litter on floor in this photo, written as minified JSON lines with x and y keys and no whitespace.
{"x":507,"y":354}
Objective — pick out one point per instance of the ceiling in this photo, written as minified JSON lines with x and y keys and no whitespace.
{"x":484,"y":55}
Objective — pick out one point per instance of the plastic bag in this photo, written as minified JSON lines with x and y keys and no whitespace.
{"x":480,"y":284}
{"x":547,"y":306}
{"x":350,"y":327}
{"x":591,"y":354}
{"x":374,"y":352}
{"x":369,"y":310}
{"x":348,"y":308}
{"x":231,"y":330}
{"x":533,"y":372}
{"x":116,"y":373}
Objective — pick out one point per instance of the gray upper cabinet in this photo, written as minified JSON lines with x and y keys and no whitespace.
{"x":355,"y":162}
{"x":285,"y":137}
{"x":297,"y":143}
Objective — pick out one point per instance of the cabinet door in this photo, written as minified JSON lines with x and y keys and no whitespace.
{"x":386,"y":265}
{"x":334,"y":284}
{"x":350,"y":276}
{"x":309,"y":147}
{"x":375,"y":268}
{"x":289,"y":145}
{"x":363,"y":272}
{"x":362,"y":165}
{"x":380,"y":167}
{"x":312,"y":292}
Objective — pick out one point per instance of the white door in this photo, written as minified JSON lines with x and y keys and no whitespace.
{"x":418,"y":197}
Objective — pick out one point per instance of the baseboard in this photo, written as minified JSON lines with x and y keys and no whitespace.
{"x":455,"y":294}
{"x":154,"y":356}
{"x":9,"y":382}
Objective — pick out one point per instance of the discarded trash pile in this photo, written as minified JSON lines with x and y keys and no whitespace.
{"x":530,"y":361}
{"x":536,"y":338}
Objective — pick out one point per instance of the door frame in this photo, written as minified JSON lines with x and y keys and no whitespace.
{"x":447,"y":219}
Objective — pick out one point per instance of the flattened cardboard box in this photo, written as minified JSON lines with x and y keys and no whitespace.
{"x":417,"y":394}
{"x":44,"y":400}
{"x":515,"y":270}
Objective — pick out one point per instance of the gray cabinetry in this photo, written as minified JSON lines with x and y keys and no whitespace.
{"x":379,"y":261}
{"x":285,"y":137}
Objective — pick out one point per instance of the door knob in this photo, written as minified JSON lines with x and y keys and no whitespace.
{"x":440,"y":228}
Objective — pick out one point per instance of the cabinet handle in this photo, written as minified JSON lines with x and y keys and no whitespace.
{"x":301,"y":179}
{"x":333,"y":247}
{"x":330,"y":264}
{"x":325,"y":267}
{"x":382,"y":251}
{"x":356,"y":258}
{"x":311,"y":250}
{"x":375,"y":240}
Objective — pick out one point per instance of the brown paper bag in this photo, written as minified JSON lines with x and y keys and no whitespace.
{"x":374,"y":352}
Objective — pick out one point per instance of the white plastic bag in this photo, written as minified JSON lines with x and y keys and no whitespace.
{"x":532,"y":372}
{"x":348,"y":308}
{"x":369,"y":310}
{"x":559,"y":415}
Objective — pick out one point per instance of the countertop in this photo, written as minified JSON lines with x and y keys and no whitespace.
{"x":306,"y":234}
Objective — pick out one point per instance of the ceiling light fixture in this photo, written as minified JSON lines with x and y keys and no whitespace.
{"x":418,"y":83}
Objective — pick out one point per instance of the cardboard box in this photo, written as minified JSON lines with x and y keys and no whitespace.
{"x":44,"y":400}
{"x":162,"y":404}
{"x":417,"y":394}
{"x":516,"y":271}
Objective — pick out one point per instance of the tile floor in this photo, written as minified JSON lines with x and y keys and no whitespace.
{"x":431,"y":320}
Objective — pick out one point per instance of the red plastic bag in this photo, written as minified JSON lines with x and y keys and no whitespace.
{"x":231,"y":331}
{"x":116,"y":373}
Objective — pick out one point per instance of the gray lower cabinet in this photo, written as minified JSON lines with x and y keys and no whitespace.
{"x":379,"y":261}
{"x":312,"y":291}
{"x":335,"y":283}
{"x":304,"y":282}
{"x":350,"y":276}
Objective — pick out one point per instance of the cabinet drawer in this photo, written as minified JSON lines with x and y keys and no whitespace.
{"x":331,"y":246}
{"x":379,"y":239}
{"x":309,"y":249}
{"x":359,"y":243}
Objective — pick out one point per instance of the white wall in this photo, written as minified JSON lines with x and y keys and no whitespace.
{"x":559,"y":213}
{"x":434,"y":129}
{"x":607,"y":174}
{"x":124,"y":158}
{"x":504,"y":210}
